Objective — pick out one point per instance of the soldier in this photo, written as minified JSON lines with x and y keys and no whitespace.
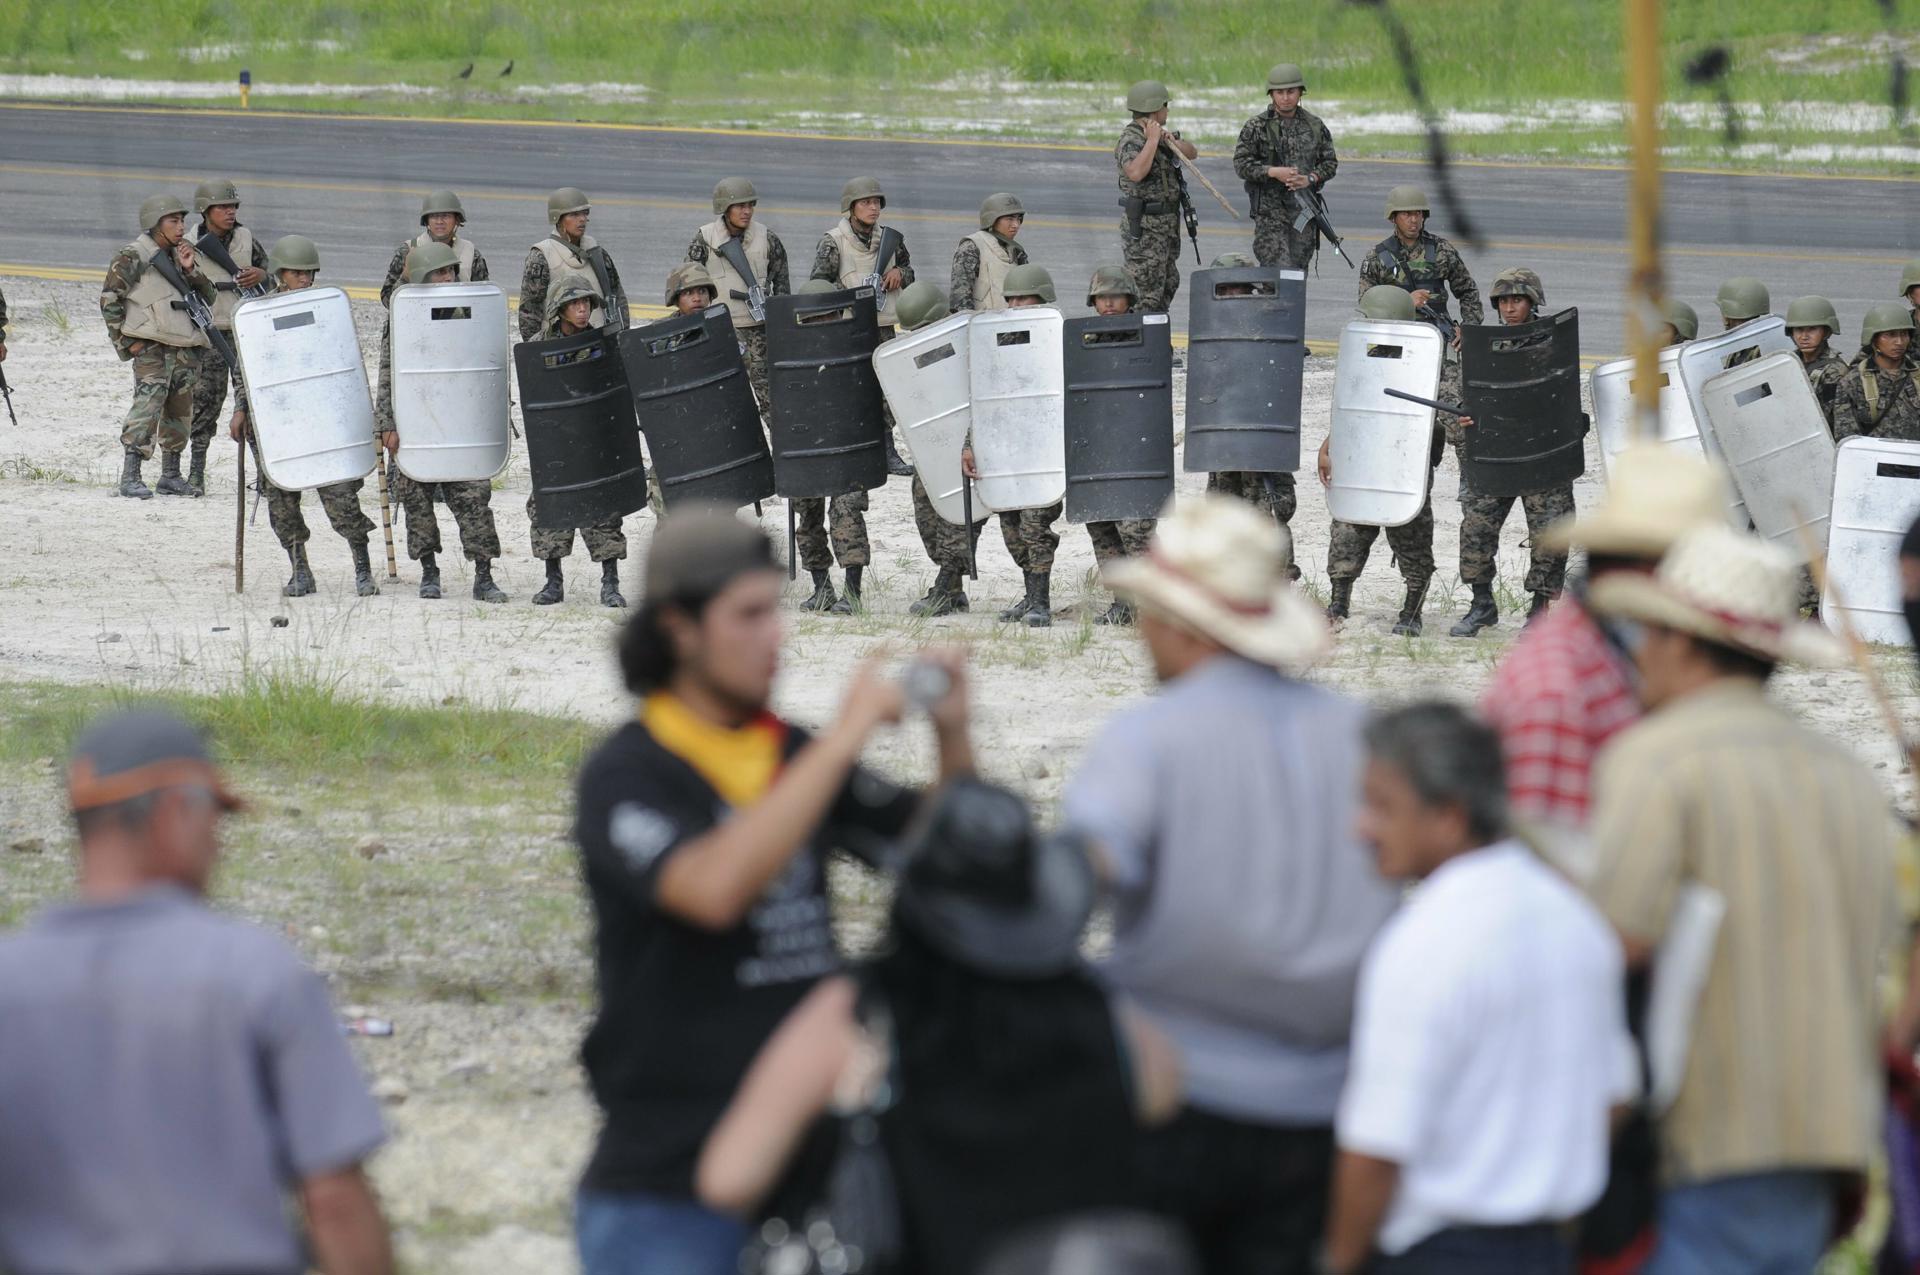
{"x":1112,"y":291}
{"x":1880,"y":394}
{"x":436,"y":262}
{"x":569,"y":255}
{"x":1812,"y":323}
{"x":849,"y":255}
{"x":689,"y":288}
{"x":441,"y":217}
{"x":1272,"y":493}
{"x":293,"y":263}
{"x":1517,"y":294}
{"x":573,"y":305}
{"x":983,"y":258}
{"x":847,"y":515}
{"x":1426,"y":266}
{"x":1742,"y":299}
{"x":947,"y":544}
{"x":1682,"y":324}
{"x":745,"y":259}
{"x":218,"y":204}
{"x":1281,"y":150}
{"x":165,"y":348}
{"x":1151,"y":191}
{"x":1910,"y":285}
{"x":1412,"y":544}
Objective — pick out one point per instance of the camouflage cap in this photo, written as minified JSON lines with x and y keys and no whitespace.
{"x":293,"y":252}
{"x":1888,"y":316}
{"x":429,"y":257}
{"x":568,"y":199}
{"x":1388,"y":304}
{"x":1685,"y":322}
{"x":1147,"y":96}
{"x":1519,"y":282}
{"x":442,"y":201}
{"x":1910,"y":277}
{"x":209,"y":194}
{"x":997,"y":205}
{"x":572,"y":290}
{"x":1112,"y":281}
{"x":155,"y":207}
{"x":1233,"y":261}
{"x":733,"y":190}
{"x":860,"y":188}
{"x":1743,"y":297}
{"x":1285,"y":75}
{"x":811,"y":286}
{"x":688,"y":274}
{"x":1028,"y":281}
{"x":919,"y":304}
{"x":1813,"y":312}
{"x":1407,"y":199}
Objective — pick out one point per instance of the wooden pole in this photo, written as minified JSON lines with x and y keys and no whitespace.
{"x":1646,"y":288}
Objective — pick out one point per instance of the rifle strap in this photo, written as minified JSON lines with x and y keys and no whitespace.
{"x":597,"y":258}
{"x":1870,"y":390}
{"x":736,"y":256}
{"x":209,"y":243}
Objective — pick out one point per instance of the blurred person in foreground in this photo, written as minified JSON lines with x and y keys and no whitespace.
{"x":169,"y":1075}
{"x":1221,"y":818}
{"x":704,"y":827}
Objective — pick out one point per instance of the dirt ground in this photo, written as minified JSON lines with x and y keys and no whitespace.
{"x":491,"y":1119}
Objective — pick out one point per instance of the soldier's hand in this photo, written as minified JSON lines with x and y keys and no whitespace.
{"x":136,"y":347}
{"x":183,"y":256}
{"x":893,"y":280}
{"x":1299,"y":181}
{"x":237,"y":427}
{"x":3,"y":351}
{"x":966,"y":464}
{"x":249,"y":276}
{"x":1456,"y":337}
{"x":1154,"y":131}
{"x":1326,"y":463}
{"x":1466,"y":422}
{"x":1283,"y":173}
{"x":391,"y":441}
{"x":1420,"y":297}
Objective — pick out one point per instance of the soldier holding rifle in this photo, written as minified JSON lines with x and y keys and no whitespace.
{"x":1152,"y":193}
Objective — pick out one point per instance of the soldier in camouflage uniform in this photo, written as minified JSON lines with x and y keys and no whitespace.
{"x":982,"y":259}
{"x":1682,"y":324}
{"x":1910,"y":285}
{"x":1812,"y":324}
{"x":294,"y":262}
{"x":1112,"y":291}
{"x":441,"y":219}
{"x":165,"y":348}
{"x":1151,"y":188}
{"x":847,"y":256}
{"x":569,"y":255}
{"x":1742,"y":299}
{"x":219,"y":206}
{"x":1273,"y":494}
{"x":947,"y":543}
{"x":470,"y":501}
{"x":732,"y":230}
{"x":845,"y":515}
{"x":1283,"y":149}
{"x":1427,"y":266}
{"x":1880,"y":394}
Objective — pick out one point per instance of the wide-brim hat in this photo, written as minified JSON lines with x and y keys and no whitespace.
{"x":1219,"y":566}
{"x":1655,"y":495}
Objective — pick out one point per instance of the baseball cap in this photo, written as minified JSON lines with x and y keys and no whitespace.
{"x":699,"y":549}
{"x":132,"y":753}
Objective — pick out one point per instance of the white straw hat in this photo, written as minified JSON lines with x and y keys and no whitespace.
{"x":1655,"y":493}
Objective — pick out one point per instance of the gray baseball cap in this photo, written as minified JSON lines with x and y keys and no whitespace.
{"x":139,"y":751}
{"x":698,"y":550}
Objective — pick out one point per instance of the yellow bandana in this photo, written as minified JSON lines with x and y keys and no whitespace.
{"x":740,"y":762}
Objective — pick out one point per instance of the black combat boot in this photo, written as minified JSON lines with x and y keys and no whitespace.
{"x":848,"y":604}
{"x":1541,"y":601}
{"x":197,"y":469}
{"x":484,"y":589}
{"x":1018,"y":611}
{"x":554,"y":589}
{"x":1409,"y":624}
{"x":300,"y":584}
{"x":823,"y":596}
{"x":363,"y":581}
{"x":429,"y":576}
{"x":1040,"y":609}
{"x":943,"y":598}
{"x":610,"y":584}
{"x":171,"y":483}
{"x":1481,"y":615}
{"x":1120,"y":613}
{"x":1341,"y":605}
{"x":897,"y":465}
{"x":131,"y":484}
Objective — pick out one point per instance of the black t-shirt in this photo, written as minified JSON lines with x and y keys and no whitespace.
{"x":683,"y":1010}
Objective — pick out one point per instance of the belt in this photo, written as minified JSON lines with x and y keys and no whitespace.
{"x":1151,"y":207}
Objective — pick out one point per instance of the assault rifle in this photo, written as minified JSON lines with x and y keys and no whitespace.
{"x":209,"y":244}
{"x":196,"y":307}
{"x":756,"y":295}
{"x":890,"y":242}
{"x":1187,"y":213}
{"x":1313,"y":212}
{"x":1438,"y":318}
{"x":6,"y":392}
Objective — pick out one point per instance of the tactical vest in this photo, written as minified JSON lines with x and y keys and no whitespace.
{"x":1422,"y":271}
{"x":568,"y":264}
{"x":996,"y":261}
{"x":857,"y":261}
{"x":463,"y":248}
{"x":729,"y":288}
{"x":1160,"y":186}
{"x":240,"y":248}
{"x":1870,"y":390}
{"x":151,"y":314}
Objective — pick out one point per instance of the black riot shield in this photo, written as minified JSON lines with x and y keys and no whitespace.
{"x":829,"y":424}
{"x":1522,"y":388}
{"x":582,"y":444}
{"x":1119,"y":419}
{"x":697,"y":409}
{"x":1246,"y":334}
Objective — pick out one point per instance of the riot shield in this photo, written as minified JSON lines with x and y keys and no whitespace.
{"x":1019,"y":407}
{"x":1613,"y":408}
{"x":1246,"y":351}
{"x":1876,"y":497}
{"x":1702,"y":360}
{"x":1522,"y":386}
{"x":926,"y":379}
{"x":696,"y":407}
{"x":583,"y":447}
{"x":1118,"y":373}
{"x":829,"y":431}
{"x":449,"y":381}
{"x":307,"y":394}
{"x":1770,"y":430}
{"x":1382,"y":448}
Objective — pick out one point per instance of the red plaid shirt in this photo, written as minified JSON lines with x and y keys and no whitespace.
{"x":1559,"y":694}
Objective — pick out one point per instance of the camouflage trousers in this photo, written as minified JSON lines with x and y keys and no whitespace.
{"x":1277,"y":243}
{"x":605,"y":540}
{"x":470,"y":503}
{"x":753,"y":351}
{"x":1153,"y":258}
{"x":1481,"y":518}
{"x":341,"y":501}
{"x":846,"y":516}
{"x":209,"y":396}
{"x":945,"y":542}
{"x":1125,"y":539}
{"x":1030,"y":537}
{"x":1412,"y":546}
{"x":1252,"y":488}
{"x":164,"y":378}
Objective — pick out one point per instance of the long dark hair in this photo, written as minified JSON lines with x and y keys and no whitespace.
{"x":647,"y":657}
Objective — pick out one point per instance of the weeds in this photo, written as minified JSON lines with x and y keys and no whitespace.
{"x":57,"y":319}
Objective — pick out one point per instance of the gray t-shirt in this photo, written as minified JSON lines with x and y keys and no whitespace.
{"x":1243,"y":900}
{"x":166,"y":1075}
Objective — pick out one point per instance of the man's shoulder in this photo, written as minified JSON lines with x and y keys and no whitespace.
{"x":1308,"y":118}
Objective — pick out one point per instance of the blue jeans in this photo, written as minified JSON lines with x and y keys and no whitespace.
{"x":1484,"y":1250}
{"x":636,"y":1234}
{"x":1754,"y":1224}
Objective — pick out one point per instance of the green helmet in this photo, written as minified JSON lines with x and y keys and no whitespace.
{"x":1387,"y":303}
{"x":1519,"y":282}
{"x":1028,"y":281}
{"x":1743,"y":297}
{"x":1232,"y":261}
{"x":154,"y":207}
{"x":568,"y":199}
{"x":1146,"y":97}
{"x":919,"y":304}
{"x":815,"y":285}
{"x":209,"y":193}
{"x":1285,"y":75}
{"x":1813,"y":312}
{"x":442,"y":201}
{"x":570,"y":291}
{"x":1407,"y":199}
{"x":1685,"y":322}
{"x":429,"y":257}
{"x":861,"y":188}
{"x":1888,"y":316}
{"x":688,"y":274}
{"x":997,"y":205}
{"x":1112,"y":281}
{"x":1910,"y":277}
{"x":731,"y":191}
{"x":293,"y":252}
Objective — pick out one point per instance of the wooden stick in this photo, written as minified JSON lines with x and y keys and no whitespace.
{"x":386,"y":509}
{"x":1195,"y":170}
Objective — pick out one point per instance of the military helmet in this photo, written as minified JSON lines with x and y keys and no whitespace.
{"x":429,"y":257}
{"x":1910,"y":277}
{"x":688,"y":274}
{"x":733,"y":190}
{"x":1233,"y":261}
{"x":1888,"y":316}
{"x":1387,"y":303}
{"x":293,"y":252}
{"x":1681,"y":316}
{"x":573,"y":290}
{"x":1519,"y":282}
{"x":1028,"y":281}
{"x":209,"y":193}
{"x":154,"y":207}
{"x":1743,"y":297}
{"x":1285,"y":75}
{"x":1812,"y":312}
{"x":568,"y":199}
{"x":816,"y":285}
{"x":861,"y":188}
{"x":997,"y":205}
{"x":1407,"y":199}
{"x":919,"y":304}
{"x":1146,"y":97}
{"x":1112,"y":281}
{"x":442,"y":201}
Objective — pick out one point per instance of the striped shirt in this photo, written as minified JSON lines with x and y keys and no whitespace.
{"x":1724,"y":789}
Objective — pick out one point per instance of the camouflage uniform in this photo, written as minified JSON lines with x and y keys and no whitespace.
{"x":164,"y":376}
{"x":966,"y":271}
{"x":606,"y":541}
{"x":753,"y":341}
{"x":210,"y":389}
{"x":1888,"y":408}
{"x":1153,"y":254}
{"x":1481,"y":518}
{"x":1127,"y":538}
{"x":397,"y":270}
{"x":1030,"y":537}
{"x":341,"y":501}
{"x":1252,"y":488}
{"x":846,"y":516}
{"x":1271,"y":140}
{"x":533,"y":296}
{"x":470,"y":502}
{"x":1825,"y":374}
{"x":945,"y":542}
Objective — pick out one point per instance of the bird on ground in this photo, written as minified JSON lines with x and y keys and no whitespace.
{"x":507,"y":69}
{"x":466,"y":73}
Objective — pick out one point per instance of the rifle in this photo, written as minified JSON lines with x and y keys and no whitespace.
{"x":1314,"y":213}
{"x":1187,"y":213}
{"x":890,"y":242}
{"x":209,"y":243}
{"x":196,"y":307}
{"x":756,"y":296}
{"x":6,"y":392}
{"x":1438,"y":318}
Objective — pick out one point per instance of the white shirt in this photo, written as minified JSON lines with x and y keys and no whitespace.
{"x":1489,"y":1043}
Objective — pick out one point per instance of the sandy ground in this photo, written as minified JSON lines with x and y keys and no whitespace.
{"x":491,"y":1120}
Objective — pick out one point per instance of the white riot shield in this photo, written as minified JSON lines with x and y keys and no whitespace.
{"x":307,"y":395}
{"x":1702,"y":360}
{"x":1381,"y":447}
{"x":1019,"y":407}
{"x":1876,"y":497}
{"x":450,"y":381}
{"x":1775,"y":441}
{"x":1613,"y":408}
{"x":925,"y":376}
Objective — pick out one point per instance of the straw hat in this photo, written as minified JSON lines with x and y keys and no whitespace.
{"x":1726,"y":587}
{"x":1654,"y":495}
{"x":1219,"y":566}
